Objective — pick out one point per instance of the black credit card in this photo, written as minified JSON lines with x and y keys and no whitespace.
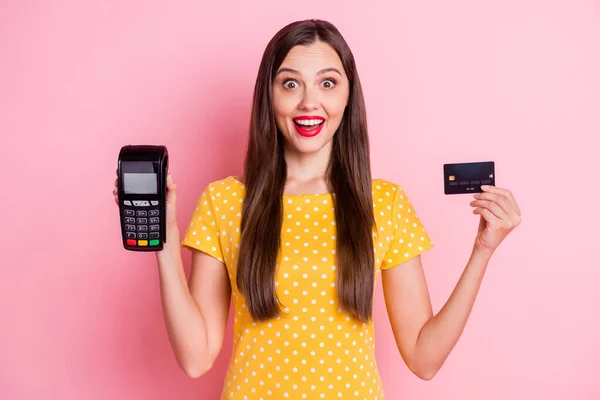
{"x":460,"y":178}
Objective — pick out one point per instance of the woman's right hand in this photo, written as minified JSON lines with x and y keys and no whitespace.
{"x":171,"y":199}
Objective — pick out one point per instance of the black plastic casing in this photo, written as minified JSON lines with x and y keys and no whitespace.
{"x":159,"y":156}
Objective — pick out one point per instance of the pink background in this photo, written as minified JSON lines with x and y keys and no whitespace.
{"x":516,"y":82}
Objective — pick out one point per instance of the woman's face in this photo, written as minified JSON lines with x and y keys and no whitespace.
{"x":310,"y":93}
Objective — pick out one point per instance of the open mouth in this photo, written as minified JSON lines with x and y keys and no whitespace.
{"x":308,"y":126}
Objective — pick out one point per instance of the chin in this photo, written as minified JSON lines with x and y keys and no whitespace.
{"x":312,"y":145}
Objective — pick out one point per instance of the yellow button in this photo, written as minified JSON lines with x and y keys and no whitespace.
{"x":142,"y":243}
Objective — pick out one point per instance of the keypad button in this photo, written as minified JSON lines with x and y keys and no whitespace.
{"x":154,"y":202}
{"x":154,"y":220}
{"x":154,"y":235}
{"x":131,"y":242}
{"x":127,"y":202}
{"x":142,"y":235}
{"x":154,"y":228}
{"x":130,"y":227}
{"x":141,"y":203}
{"x":154,"y":243}
{"x":142,"y":220}
{"x":129,"y":213}
{"x":142,"y":228}
{"x":129,"y":220}
{"x":153,"y":213}
{"x":142,"y":243}
{"x":130,"y":235}
{"x":141,"y":213}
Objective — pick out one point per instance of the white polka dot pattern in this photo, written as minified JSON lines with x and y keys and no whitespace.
{"x":203,"y":230}
{"x":314,"y":350}
{"x":409,"y":237}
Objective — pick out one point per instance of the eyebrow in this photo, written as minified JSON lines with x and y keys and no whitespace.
{"x":323,"y":71}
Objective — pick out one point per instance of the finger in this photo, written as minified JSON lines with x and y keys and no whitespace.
{"x":492,"y":207}
{"x":502,"y":201}
{"x":505,"y":193}
{"x":487,"y":215}
{"x":170,"y":182}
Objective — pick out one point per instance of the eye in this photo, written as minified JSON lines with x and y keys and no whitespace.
{"x":328,"y":83}
{"x":290,"y":84}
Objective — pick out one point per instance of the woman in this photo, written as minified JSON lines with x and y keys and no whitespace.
{"x":299,"y":241}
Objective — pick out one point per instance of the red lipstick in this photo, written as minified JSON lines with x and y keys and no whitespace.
{"x":309,"y":130}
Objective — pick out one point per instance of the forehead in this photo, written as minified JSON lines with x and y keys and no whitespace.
{"x":312,"y":58}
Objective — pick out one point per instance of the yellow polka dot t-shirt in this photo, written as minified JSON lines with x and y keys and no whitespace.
{"x":314,"y":350}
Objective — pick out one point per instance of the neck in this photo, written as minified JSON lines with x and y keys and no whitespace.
{"x":306,"y":167}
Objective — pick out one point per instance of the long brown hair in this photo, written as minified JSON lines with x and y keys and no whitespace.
{"x":348,"y":176}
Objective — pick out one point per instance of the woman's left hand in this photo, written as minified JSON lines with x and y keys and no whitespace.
{"x":500,"y":214}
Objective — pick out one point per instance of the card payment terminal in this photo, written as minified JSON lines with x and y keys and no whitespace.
{"x":142,"y":185}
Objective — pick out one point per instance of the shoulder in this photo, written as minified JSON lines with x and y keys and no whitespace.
{"x":225,"y":185}
{"x":222,"y":192}
{"x":385,"y":189}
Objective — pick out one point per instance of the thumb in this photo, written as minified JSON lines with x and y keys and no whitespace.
{"x":170,"y":182}
{"x":171,"y":187}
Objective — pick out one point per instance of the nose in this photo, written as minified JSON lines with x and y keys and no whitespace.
{"x":310,"y":99}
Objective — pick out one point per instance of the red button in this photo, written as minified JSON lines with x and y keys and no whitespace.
{"x":131,"y":242}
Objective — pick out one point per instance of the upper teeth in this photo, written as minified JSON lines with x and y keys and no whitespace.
{"x":309,"y":121}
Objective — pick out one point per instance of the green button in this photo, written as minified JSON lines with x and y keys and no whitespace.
{"x":154,"y":242}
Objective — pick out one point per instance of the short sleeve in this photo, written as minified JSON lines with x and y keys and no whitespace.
{"x":409,"y":237}
{"x":202,"y":233}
